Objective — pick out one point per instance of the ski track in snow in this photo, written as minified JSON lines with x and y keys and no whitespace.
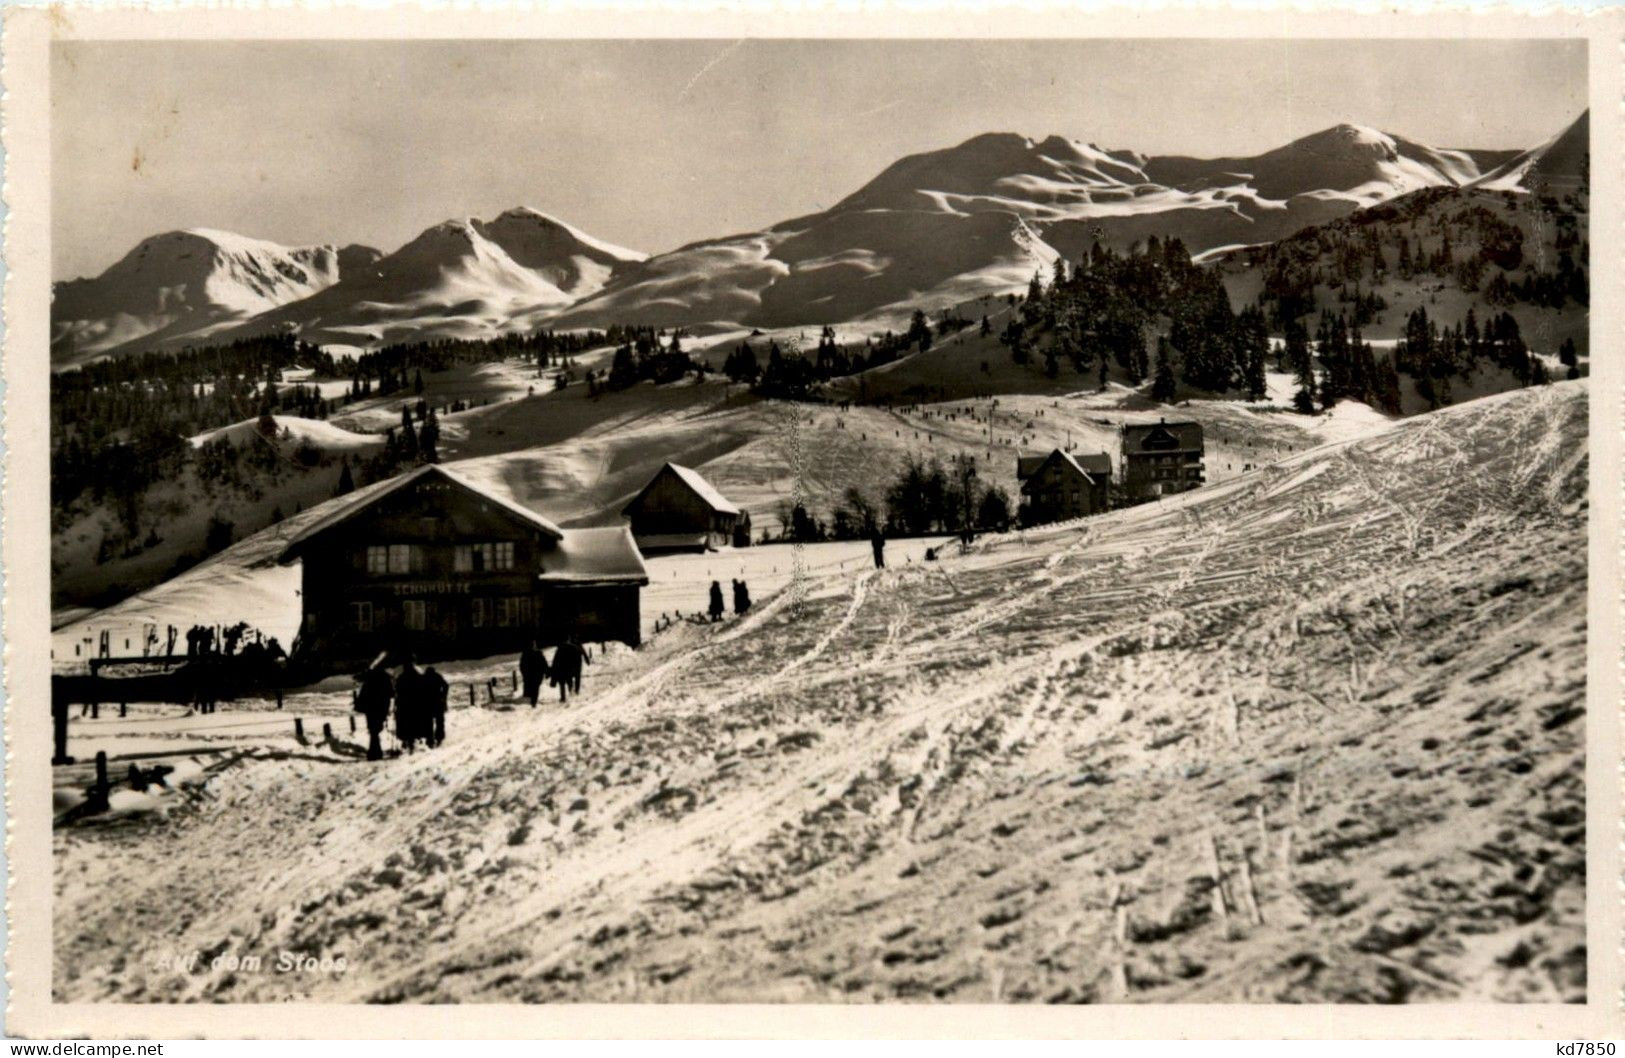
{"x":1312,"y":734}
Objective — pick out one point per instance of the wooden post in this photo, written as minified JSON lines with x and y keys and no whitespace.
{"x":299,"y":729}
{"x":1220,"y":909}
{"x":327,"y":733}
{"x":1249,"y":888}
{"x":95,"y":710}
{"x":1119,"y":965}
{"x":122,"y":710}
{"x":516,"y":681}
{"x":59,"y":722}
{"x":102,"y":785}
{"x":352,"y":723}
{"x":471,"y":696}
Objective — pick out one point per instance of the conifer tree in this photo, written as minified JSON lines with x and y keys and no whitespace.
{"x":346,"y":480}
{"x":429,"y":438}
{"x":408,"y":435}
{"x":1162,"y":383}
{"x":1303,"y":372}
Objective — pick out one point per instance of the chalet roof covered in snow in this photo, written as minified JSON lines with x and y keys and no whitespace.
{"x":1066,"y":460}
{"x":365,"y":499}
{"x":594,"y":556}
{"x":1027,"y":466}
{"x":1162,"y":437}
{"x":652,"y":542}
{"x":697,"y":484}
{"x":1094,"y":464}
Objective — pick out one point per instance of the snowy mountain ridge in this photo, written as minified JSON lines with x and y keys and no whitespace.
{"x":931,"y":229}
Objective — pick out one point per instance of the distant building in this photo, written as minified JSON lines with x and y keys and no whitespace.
{"x":678,"y":510}
{"x":434,"y":564}
{"x":1161,"y":458}
{"x":1060,"y":486}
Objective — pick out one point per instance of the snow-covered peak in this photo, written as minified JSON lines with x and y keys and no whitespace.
{"x":186,"y":282}
{"x":1363,"y":136}
{"x":531,"y":232}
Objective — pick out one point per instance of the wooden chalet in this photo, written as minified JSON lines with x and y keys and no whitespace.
{"x":1161,"y":458}
{"x":1059,"y":486}
{"x":431,"y":563}
{"x":678,"y":510}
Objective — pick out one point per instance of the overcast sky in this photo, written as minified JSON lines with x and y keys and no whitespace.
{"x":653,"y":144}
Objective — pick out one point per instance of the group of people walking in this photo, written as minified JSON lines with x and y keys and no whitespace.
{"x":741,"y":599}
{"x":563,"y":672}
{"x":418,"y":697}
{"x":419,"y":701}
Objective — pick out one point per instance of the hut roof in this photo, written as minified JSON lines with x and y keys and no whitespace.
{"x":1066,"y":460}
{"x":589,"y":556}
{"x":1162,"y":436}
{"x":1094,"y":464}
{"x":358,"y":502}
{"x":696,"y":484}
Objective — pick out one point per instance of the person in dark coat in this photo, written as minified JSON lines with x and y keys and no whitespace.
{"x":583,"y":659}
{"x":567,"y":662}
{"x":878,"y":544}
{"x":373,"y":700}
{"x":741,"y":598}
{"x":276,"y":665}
{"x":436,"y":691}
{"x":205,"y":684}
{"x":716,"y":601}
{"x":411,"y":711}
{"x":558,"y":674}
{"x":532,"y":671}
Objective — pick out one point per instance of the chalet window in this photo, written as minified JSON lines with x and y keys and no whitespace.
{"x":394,"y":558}
{"x":478,"y":558}
{"x":361,"y":616}
{"x":513,"y":611}
{"x":479,"y":614}
{"x":416,"y":614}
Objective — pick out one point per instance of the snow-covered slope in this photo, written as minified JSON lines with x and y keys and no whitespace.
{"x":1312,"y":735}
{"x":838,"y":266}
{"x":1560,"y":164}
{"x":185,"y":286}
{"x":978,"y":218}
{"x":293,"y":430}
{"x":461,"y":278}
{"x":931,"y":230}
